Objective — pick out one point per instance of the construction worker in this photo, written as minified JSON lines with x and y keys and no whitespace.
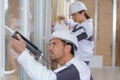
{"x":62,"y":46}
{"x":82,"y":26}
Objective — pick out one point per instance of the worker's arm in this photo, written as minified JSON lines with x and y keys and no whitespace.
{"x":70,"y":22}
{"x":35,"y":69}
{"x":57,"y":26}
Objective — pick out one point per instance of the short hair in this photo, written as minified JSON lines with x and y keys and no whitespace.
{"x":73,"y":47}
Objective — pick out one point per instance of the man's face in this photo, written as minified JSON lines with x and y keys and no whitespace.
{"x":56,"y":49}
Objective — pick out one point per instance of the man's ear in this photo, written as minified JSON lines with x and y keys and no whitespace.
{"x":68,"y":48}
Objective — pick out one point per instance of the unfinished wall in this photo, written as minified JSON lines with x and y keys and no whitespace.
{"x":118,"y":35}
{"x":54,"y":9}
{"x":104,"y":37}
{"x":104,"y":28}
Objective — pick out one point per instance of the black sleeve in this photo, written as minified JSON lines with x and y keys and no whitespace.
{"x":82,"y":36}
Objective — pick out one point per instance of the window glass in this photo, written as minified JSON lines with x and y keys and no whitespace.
{"x":13,"y":11}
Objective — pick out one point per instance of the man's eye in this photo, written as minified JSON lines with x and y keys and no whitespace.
{"x":73,"y":14}
{"x":52,"y":44}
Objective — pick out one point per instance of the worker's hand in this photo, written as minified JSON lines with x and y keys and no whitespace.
{"x":62,"y":17}
{"x":18,"y":45}
{"x":53,"y":23}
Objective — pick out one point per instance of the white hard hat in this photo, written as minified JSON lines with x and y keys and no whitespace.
{"x":65,"y":35}
{"x":77,"y":6}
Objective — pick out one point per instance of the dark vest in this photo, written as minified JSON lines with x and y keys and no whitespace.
{"x":69,"y":73}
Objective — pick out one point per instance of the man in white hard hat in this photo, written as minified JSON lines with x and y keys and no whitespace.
{"x":62,"y":46}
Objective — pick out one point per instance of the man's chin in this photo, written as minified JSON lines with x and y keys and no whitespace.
{"x":53,"y":59}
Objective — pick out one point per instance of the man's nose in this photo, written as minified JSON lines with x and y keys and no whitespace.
{"x":49,"y":48}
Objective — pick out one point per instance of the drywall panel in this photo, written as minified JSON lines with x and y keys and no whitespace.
{"x":104,"y":28}
{"x":118,"y":35}
{"x":104,"y":37}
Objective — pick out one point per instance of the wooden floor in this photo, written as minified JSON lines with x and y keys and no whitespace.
{"x":106,"y":73}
